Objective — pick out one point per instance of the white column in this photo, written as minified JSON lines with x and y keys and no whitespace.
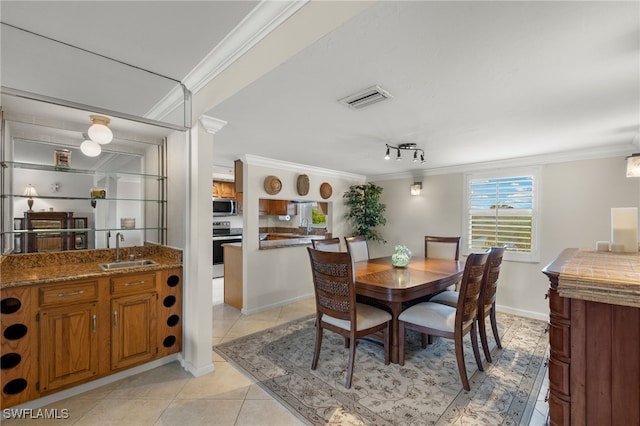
{"x":198,"y":333}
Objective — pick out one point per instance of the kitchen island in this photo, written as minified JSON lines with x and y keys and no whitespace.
{"x":594,"y":335}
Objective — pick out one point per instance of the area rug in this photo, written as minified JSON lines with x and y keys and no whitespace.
{"x":426,"y":391}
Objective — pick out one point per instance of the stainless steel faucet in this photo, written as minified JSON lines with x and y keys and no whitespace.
{"x":119,"y":237}
{"x":307,"y":224}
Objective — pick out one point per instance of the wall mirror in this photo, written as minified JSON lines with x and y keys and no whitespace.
{"x":81,"y":202}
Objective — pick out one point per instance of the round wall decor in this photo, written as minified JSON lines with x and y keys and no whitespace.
{"x":303,"y":184}
{"x":325,"y":190}
{"x":272,"y":185}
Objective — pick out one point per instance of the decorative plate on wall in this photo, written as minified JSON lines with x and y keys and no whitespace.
{"x":272,"y":185}
{"x":303,"y":184}
{"x":325,"y":190}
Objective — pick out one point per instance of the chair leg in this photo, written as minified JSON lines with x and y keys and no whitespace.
{"x":494,"y":326}
{"x":401,"y":339}
{"x":482,"y":327}
{"x":346,"y":342}
{"x":316,"y":353}
{"x":461,"y":368}
{"x":474,"y":344}
{"x":423,"y":340}
{"x":387,"y":344}
{"x":352,"y":356}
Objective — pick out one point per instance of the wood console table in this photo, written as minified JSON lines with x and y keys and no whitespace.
{"x":594,"y":335}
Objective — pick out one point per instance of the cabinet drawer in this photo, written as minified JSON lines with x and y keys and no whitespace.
{"x":559,"y":306}
{"x":560,"y":340}
{"x":558,"y":377}
{"x":133,"y":283}
{"x":68,"y":293}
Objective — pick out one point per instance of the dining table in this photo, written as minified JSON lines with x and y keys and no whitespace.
{"x":395,"y":287}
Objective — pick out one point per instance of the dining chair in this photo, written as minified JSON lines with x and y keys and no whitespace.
{"x":486,"y":301}
{"x":358,"y":247}
{"x":337,"y":309}
{"x":442,"y":248}
{"x":435,"y":319}
{"x":327,"y":244}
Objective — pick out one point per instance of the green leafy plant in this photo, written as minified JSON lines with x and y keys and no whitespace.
{"x":365,"y":210}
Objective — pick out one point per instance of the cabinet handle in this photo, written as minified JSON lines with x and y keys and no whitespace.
{"x":546,"y":398}
{"x":71,"y":293}
{"x":134,"y":283}
{"x":93,"y":325}
{"x":115,"y":319}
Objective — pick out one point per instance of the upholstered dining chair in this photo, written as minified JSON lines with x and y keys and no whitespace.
{"x":486,"y":301}
{"x":358,"y":247}
{"x":337,"y":309}
{"x":327,"y":244}
{"x":435,"y":319}
{"x":442,"y":248}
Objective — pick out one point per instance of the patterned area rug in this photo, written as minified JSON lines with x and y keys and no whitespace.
{"x":426,"y":391}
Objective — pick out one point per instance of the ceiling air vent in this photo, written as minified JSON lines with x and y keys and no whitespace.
{"x":366,"y":97}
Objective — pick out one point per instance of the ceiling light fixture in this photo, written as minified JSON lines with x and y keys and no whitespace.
{"x":416,"y":188}
{"x":89,"y":147}
{"x":406,"y":147}
{"x":99,"y":131}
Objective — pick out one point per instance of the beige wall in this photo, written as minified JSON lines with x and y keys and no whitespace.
{"x":280,"y":276}
{"x":576,"y":202}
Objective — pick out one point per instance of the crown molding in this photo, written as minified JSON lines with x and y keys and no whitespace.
{"x":212,"y":125}
{"x":621,"y":150}
{"x":263,"y":19}
{"x":302,"y":168}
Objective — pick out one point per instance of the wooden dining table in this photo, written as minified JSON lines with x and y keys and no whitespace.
{"x":393,"y":287}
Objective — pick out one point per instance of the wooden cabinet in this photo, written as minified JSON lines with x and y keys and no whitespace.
{"x":50,"y":239}
{"x":223,"y":189}
{"x":594,"y":363}
{"x":133,"y":329}
{"x":60,"y":335}
{"x":238,"y":177}
{"x":276,"y":207}
{"x":68,"y":341}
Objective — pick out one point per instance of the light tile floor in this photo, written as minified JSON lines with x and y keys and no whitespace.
{"x":168,"y":395}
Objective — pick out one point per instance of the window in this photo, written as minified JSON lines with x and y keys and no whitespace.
{"x":502,"y":210}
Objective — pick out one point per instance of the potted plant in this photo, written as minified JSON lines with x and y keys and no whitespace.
{"x":365,"y":210}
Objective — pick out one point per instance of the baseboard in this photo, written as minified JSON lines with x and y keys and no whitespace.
{"x":522,"y":313}
{"x":277,"y":305}
{"x":196,"y":371}
{"x":85,"y":387}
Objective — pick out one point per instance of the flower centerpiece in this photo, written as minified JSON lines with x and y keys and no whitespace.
{"x":401,"y":257}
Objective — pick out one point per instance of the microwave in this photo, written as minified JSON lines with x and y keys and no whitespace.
{"x":224,"y":207}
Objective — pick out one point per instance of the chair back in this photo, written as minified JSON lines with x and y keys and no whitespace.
{"x":333,"y":284}
{"x":470,"y":287}
{"x":442,"y":247}
{"x":357,"y":247}
{"x":490,"y":278}
{"x":327,"y":244}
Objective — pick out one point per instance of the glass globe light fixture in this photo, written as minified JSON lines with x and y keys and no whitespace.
{"x":99,"y":132}
{"x":90,"y":148}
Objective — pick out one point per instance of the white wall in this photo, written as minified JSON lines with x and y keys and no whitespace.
{"x":279,"y":276}
{"x":576,"y":202}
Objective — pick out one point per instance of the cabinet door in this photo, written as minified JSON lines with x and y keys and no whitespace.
{"x":68,"y":345}
{"x":281,"y":207}
{"x":133,"y":329}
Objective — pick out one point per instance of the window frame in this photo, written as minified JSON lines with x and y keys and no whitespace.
{"x":535,"y":172}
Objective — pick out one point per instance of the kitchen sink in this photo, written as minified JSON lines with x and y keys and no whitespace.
{"x":125,"y":264}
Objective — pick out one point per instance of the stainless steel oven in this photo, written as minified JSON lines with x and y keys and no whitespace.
{"x":223,"y":234}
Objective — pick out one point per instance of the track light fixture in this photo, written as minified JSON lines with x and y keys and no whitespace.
{"x":406,"y":147}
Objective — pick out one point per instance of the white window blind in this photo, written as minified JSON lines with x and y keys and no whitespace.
{"x":501,"y":211}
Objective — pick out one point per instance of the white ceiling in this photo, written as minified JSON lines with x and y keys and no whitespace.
{"x":471,"y":81}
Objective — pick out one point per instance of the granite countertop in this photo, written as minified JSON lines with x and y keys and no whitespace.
{"x":43,"y":268}
{"x":293,"y":240}
{"x":605,"y":277}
